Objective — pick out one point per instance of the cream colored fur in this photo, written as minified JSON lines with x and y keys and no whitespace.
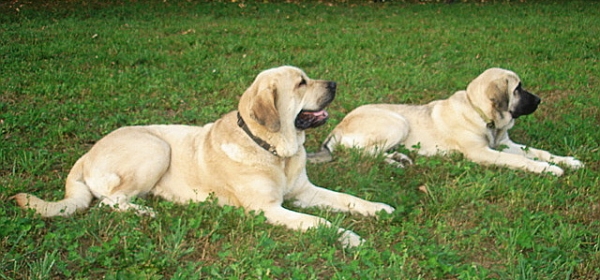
{"x":190,"y":163}
{"x":474,"y":122}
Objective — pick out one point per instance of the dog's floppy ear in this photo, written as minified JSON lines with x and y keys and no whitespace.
{"x":259,"y":101}
{"x":498,"y":92}
{"x":263,"y":109}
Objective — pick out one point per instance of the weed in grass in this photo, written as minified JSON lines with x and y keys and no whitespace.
{"x":41,"y":269}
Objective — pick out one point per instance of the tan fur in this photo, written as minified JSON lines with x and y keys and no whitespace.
{"x":453,"y":124}
{"x":188,"y":163}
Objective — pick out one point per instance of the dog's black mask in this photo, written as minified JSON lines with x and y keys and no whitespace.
{"x":528,"y":103}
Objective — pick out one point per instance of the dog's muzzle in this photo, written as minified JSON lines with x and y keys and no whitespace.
{"x":528,"y":103}
{"x":313,"y":118}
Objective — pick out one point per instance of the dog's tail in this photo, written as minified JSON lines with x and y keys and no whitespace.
{"x":77,"y":196}
{"x":323,"y":155}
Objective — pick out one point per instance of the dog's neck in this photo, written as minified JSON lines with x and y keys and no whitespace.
{"x":489,"y":123}
{"x":262,"y":143}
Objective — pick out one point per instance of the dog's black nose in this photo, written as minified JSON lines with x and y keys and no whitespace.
{"x":331,"y":86}
{"x":537,"y":100}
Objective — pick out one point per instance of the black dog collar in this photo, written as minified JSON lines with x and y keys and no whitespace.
{"x":270,"y":148}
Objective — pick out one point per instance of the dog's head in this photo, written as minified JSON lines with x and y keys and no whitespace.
{"x":284,"y":101}
{"x":499,"y":93}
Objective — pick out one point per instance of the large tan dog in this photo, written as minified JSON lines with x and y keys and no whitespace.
{"x":474,"y":122}
{"x":253,"y":158}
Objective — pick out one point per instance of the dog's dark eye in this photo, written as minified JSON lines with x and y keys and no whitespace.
{"x":518,"y":89}
{"x":302,"y":82}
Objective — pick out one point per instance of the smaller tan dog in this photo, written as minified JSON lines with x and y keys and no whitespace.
{"x":474,"y":122}
{"x":253,"y":158}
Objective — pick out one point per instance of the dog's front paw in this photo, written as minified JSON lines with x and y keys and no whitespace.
{"x":388,"y":209}
{"x":377,"y":207}
{"x":349,"y":239}
{"x":572,"y":163}
{"x":554,"y":170}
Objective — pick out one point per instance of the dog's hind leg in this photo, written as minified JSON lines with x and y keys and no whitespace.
{"x":374,"y":131}
{"x":127,"y":165}
{"x":122,"y":202}
{"x":397,"y":159}
{"x":118,"y":189}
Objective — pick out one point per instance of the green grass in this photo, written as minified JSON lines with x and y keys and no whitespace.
{"x":75,"y":70}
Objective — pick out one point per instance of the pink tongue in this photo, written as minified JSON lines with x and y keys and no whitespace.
{"x":307,"y":119}
{"x":319,"y":114}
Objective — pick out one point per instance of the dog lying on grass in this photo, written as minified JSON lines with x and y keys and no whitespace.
{"x":474,"y":122}
{"x":253,"y":158}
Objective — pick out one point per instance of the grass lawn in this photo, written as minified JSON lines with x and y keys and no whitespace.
{"x":72,"y":71}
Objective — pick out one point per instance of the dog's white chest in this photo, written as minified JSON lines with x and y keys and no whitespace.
{"x":233,"y":151}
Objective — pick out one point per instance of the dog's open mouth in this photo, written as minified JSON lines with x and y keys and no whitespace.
{"x":310,"y":119}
